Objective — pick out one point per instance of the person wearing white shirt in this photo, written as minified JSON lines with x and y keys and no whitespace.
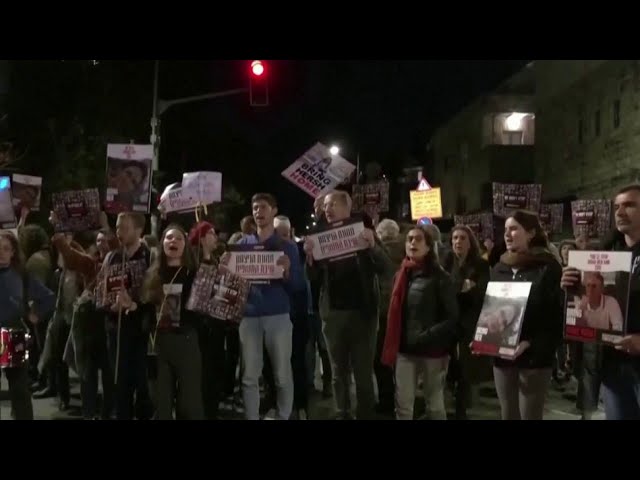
{"x":598,"y":310}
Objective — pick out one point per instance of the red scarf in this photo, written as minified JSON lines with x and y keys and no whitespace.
{"x":394,"y":317}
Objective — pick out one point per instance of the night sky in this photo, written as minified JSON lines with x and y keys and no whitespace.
{"x":383,"y":110}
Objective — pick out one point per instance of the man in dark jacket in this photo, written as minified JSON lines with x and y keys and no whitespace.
{"x":349,"y":305}
{"x":621,"y":365}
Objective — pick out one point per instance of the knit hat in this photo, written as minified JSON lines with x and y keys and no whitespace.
{"x":199,"y":231}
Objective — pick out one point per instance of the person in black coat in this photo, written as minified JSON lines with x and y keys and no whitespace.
{"x":470,"y":275}
{"x":421,"y":327}
{"x":522,"y":382}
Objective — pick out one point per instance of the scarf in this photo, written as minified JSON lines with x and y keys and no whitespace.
{"x":533,"y":257}
{"x":394,"y":316}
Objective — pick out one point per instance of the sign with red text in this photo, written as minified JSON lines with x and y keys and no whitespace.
{"x":596,"y":308}
{"x":500,"y":322}
{"x":372,"y":195}
{"x":591,"y":218}
{"x":318,"y":172}
{"x":508,"y":197}
{"x":76,"y":210}
{"x":255,"y":263}
{"x":338,"y":239}
{"x":218,"y":295}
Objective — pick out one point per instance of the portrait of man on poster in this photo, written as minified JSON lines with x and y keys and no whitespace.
{"x":596,"y":309}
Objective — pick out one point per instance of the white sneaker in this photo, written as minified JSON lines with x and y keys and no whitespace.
{"x":270,"y":415}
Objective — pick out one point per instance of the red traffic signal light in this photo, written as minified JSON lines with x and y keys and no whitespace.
{"x":258,"y":84}
{"x":257,"y":68}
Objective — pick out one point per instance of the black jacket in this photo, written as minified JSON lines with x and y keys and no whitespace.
{"x":429,"y":314}
{"x":370,"y":264}
{"x":612,"y":358}
{"x":470,"y":302}
{"x":544,"y":316}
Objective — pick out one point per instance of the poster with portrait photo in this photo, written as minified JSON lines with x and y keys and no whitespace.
{"x":500,"y":323}
{"x":129,"y":176}
{"x":591,"y":218}
{"x":551,"y":217}
{"x":318,"y":171}
{"x":26,"y":191}
{"x":76,"y":210}
{"x":7,"y":212}
{"x":508,"y":197}
{"x":596,"y":309}
{"x":169,"y":314}
{"x":481,"y":224}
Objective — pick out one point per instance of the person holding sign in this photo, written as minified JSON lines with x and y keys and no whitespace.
{"x":174,"y":335}
{"x":267,"y":315}
{"x":349,"y":303}
{"x":118,"y":291}
{"x":522,"y":381}
{"x":621,"y":364}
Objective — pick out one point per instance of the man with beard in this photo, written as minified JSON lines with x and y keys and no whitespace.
{"x":127,"y":322}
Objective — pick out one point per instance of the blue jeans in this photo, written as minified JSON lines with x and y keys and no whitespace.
{"x":621,"y":390}
{"x":275,"y":332}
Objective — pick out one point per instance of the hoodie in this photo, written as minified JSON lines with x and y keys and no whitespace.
{"x":273,"y":298}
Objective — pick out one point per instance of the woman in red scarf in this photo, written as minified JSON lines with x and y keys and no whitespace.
{"x":421,"y":327}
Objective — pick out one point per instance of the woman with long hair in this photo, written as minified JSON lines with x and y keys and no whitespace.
{"x":24,"y":299}
{"x":470,"y":275}
{"x":522,"y":382}
{"x":175,"y":336}
{"x":218,"y":366}
{"x":421,"y":327}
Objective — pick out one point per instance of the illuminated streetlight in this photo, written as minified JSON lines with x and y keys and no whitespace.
{"x":334,"y":150}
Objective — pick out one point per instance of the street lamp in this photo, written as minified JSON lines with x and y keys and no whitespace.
{"x":334,"y":150}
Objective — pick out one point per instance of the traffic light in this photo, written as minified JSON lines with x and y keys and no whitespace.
{"x":258,"y":84}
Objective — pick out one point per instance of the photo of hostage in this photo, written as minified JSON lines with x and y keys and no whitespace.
{"x":130,"y":179}
{"x":595,"y":309}
{"x":502,"y":318}
{"x":26,"y":196}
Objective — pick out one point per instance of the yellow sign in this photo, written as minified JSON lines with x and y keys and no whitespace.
{"x":425,"y":203}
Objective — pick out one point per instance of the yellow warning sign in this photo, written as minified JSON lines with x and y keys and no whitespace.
{"x":425,"y":203}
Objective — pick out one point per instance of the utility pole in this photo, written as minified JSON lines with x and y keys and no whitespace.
{"x":160,"y":107}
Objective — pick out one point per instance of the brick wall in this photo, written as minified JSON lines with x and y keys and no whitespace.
{"x":600,"y":163}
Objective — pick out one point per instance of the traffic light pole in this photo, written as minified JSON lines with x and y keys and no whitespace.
{"x":160,"y":107}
